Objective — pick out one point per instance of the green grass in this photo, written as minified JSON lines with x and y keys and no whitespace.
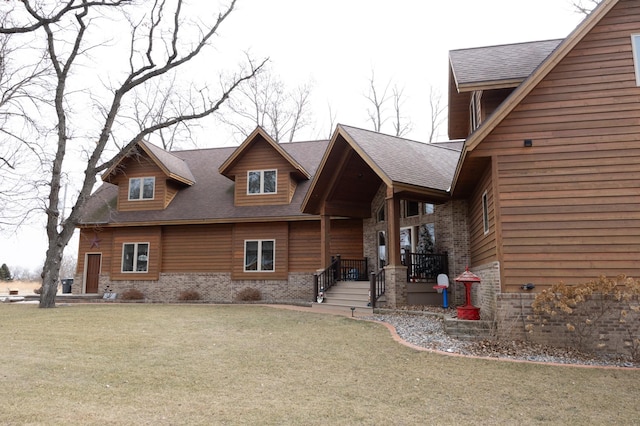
{"x":202,"y":364}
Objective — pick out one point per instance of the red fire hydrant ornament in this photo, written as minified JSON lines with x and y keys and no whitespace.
{"x":468,"y":311}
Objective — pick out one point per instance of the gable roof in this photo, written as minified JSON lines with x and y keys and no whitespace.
{"x":211,"y":200}
{"x":406,"y":165}
{"x":172,"y":166}
{"x":482,"y":68}
{"x":403,"y":161}
{"x":563,"y":49}
{"x":260,"y":134}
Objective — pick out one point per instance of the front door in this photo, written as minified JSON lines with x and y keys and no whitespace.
{"x":92,"y":273}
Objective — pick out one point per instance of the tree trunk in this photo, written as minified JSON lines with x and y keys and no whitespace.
{"x":51,"y":276}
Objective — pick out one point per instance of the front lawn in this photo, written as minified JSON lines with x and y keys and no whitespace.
{"x":243,"y":364}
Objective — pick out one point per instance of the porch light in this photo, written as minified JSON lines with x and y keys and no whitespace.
{"x":528,"y":143}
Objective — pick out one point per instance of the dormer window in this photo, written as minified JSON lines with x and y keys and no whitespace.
{"x":261,"y":182}
{"x":141,"y":188}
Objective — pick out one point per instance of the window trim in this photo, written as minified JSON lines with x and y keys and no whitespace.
{"x":485,"y":212}
{"x":259,"y":259}
{"x":141,"y":194}
{"x":262,"y":172}
{"x":635,"y":50}
{"x":135,"y":258}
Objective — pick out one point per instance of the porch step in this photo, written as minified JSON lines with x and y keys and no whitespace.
{"x":468,"y":330}
{"x":347,"y":295}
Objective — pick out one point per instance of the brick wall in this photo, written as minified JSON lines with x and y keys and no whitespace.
{"x":605,"y":335}
{"x":484,"y":295}
{"x":452,"y":236}
{"x":213,"y":287}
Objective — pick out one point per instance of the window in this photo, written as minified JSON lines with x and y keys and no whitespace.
{"x":380,"y":214}
{"x":141,"y":188}
{"x":485,"y":212}
{"x":259,"y":255}
{"x":428,"y":208}
{"x":261,"y":182}
{"x":135,"y":257}
{"x":635,"y":44}
{"x":412,"y":208}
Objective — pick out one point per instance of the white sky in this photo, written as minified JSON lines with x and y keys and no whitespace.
{"x":337,"y":43}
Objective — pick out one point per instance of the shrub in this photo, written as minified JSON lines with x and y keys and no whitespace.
{"x":583,"y":308}
{"x":132,"y":294}
{"x":188,"y":295}
{"x":249,"y":295}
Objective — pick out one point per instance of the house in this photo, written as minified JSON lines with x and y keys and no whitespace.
{"x":218,"y":221}
{"x":544,"y":187}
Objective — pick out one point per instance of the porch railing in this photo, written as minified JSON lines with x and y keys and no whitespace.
{"x":352,"y":269}
{"x":376,"y":287}
{"x":425,"y":266}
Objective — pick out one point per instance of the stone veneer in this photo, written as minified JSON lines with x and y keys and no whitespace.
{"x":213,"y":287}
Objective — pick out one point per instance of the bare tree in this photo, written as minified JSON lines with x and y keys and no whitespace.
{"x":162,"y":41}
{"x":437,"y":112}
{"x":265,"y":101}
{"x":377,"y":99}
{"x":585,"y":6}
{"x":332,"y":120}
{"x":401,"y":124}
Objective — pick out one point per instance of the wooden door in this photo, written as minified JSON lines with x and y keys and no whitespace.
{"x":92,"y":273}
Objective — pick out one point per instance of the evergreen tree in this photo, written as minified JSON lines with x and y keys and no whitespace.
{"x":5,"y":274}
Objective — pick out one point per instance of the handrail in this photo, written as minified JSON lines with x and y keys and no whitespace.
{"x":323,"y":280}
{"x":377,"y":287}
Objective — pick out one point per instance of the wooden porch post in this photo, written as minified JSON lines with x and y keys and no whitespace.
{"x":393,"y":228}
{"x":325,"y":240}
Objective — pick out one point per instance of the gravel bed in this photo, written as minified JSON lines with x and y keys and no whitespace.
{"x":427,"y":330}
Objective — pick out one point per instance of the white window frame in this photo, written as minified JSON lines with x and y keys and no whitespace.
{"x":260,"y":254}
{"x":141,"y":194}
{"x":135,"y":258}
{"x":262,"y":172}
{"x":485,"y":212}
{"x":635,"y":48}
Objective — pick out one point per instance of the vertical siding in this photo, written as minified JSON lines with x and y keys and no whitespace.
{"x":570,"y":205}
{"x":261,"y":231}
{"x":262,"y":156}
{"x":196,"y":248}
{"x":482,"y":246}
{"x":151,"y":235}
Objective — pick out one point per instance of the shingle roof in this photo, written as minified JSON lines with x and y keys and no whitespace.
{"x":212,"y":197}
{"x":407,"y":161}
{"x":509,"y":62}
{"x":175,"y":166}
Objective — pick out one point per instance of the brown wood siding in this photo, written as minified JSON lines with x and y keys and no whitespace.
{"x":151,"y":235}
{"x":262,"y":156}
{"x":172,"y":190}
{"x":141,"y":166}
{"x":346,"y":238}
{"x":261,"y":231}
{"x":570,"y":205}
{"x":196,"y":248}
{"x":304,"y":246}
{"x":101,"y":240}
{"x":482,"y":246}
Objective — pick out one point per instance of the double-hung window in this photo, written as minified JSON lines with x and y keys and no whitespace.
{"x":261,"y":181}
{"x":485,"y":212}
{"x":135,"y":257}
{"x":141,"y":188}
{"x":259,"y":255}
